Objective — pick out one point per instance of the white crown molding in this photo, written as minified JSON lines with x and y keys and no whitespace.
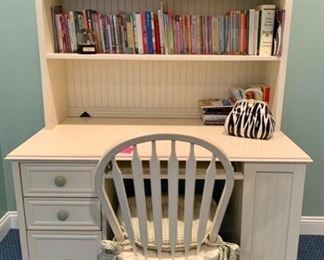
{"x":312,"y":225}
{"x":8,"y":221}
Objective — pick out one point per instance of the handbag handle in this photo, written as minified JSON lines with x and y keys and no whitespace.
{"x":253,"y":93}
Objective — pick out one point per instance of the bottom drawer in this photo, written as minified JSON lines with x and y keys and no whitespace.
{"x":64,"y":245}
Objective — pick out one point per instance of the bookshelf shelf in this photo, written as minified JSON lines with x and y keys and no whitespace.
{"x":139,"y":57}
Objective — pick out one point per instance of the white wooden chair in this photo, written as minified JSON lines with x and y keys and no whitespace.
{"x":155,"y":181}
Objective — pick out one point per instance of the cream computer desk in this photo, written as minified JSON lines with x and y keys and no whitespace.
{"x":60,"y":216}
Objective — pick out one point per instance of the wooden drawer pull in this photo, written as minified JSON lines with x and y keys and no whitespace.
{"x":62,"y":215}
{"x":60,"y":181}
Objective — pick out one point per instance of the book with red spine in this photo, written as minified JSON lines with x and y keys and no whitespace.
{"x":266,"y":93}
{"x":163,"y":40}
{"x":157,"y":34}
{"x":144,"y":33}
{"x":153,"y":33}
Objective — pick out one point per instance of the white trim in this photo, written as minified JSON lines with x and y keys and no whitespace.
{"x":312,"y":225}
{"x":8,"y":221}
{"x":5,"y":224}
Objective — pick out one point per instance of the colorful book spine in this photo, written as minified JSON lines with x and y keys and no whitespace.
{"x":162,"y":31}
{"x":171,"y":36}
{"x":139,"y":33}
{"x":149,"y":33}
{"x":116,"y":34}
{"x":135,"y":29}
{"x":130,"y":34}
{"x":251,"y":17}
{"x":157,"y":34}
{"x":267,"y":15}
{"x":239,"y":32}
{"x":153,"y":33}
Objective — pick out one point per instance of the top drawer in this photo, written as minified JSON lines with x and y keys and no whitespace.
{"x":58,"y":180}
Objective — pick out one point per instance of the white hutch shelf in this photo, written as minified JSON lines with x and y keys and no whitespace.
{"x":150,"y":86}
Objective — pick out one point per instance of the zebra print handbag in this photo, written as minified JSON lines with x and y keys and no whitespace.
{"x":250,"y":119}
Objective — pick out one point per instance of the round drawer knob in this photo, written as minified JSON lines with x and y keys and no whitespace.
{"x":60,"y":181}
{"x":62,"y":215}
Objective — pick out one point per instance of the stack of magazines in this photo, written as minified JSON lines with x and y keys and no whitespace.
{"x":213,"y":111}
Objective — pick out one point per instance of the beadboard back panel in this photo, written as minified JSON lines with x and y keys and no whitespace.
{"x":153,"y":88}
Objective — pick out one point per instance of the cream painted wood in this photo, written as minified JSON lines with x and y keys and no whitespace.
{"x":100,"y":88}
{"x":149,"y":85}
{"x":20,"y":210}
{"x":121,"y":194}
{"x":206,"y":200}
{"x":155,"y":170}
{"x":41,"y":180}
{"x":295,"y":210}
{"x":173,"y":187}
{"x":139,"y":194}
{"x":150,"y":57}
{"x":77,"y":214}
{"x":272,"y":211}
{"x":53,"y":245}
{"x":190,"y":183}
{"x":137,"y":168}
{"x":88,"y":142}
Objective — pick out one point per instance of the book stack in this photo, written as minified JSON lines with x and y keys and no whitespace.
{"x":238,"y":32}
{"x":252,"y":91}
{"x":213,"y":111}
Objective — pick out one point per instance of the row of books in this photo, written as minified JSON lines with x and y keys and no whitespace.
{"x":213,"y":111}
{"x":163,"y":32}
{"x":253,"y":91}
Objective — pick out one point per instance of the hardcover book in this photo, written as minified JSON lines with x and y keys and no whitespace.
{"x":266,"y":25}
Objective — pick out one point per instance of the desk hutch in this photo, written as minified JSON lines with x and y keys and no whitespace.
{"x":128,"y":95}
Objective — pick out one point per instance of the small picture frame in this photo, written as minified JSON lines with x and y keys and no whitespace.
{"x":86,"y":42}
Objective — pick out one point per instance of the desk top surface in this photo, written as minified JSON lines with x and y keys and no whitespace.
{"x":80,"y":140}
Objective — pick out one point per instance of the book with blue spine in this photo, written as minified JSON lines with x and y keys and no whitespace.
{"x":149,"y":35}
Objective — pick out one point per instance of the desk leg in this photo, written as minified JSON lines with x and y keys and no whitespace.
{"x":271,"y":210}
{"x":20,"y":210}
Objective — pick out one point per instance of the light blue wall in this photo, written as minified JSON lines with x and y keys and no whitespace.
{"x":20,"y":99}
{"x":303,"y":108}
{"x":303,"y":118}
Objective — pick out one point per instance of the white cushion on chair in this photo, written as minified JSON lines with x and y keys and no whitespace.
{"x":206,"y":253}
{"x":165,"y":222}
{"x":217,"y":251}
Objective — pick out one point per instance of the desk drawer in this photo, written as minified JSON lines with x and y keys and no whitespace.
{"x":64,"y":245}
{"x":56,"y":214}
{"x":61,"y":180}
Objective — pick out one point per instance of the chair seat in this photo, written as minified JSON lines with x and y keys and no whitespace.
{"x":206,"y":253}
{"x":165,"y":222}
{"x":219,"y":250}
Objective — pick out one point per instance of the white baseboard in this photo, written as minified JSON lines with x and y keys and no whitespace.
{"x":8,"y":221}
{"x":312,"y":226}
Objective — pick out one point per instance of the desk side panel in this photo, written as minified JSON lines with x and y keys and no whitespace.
{"x":272,"y":201}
